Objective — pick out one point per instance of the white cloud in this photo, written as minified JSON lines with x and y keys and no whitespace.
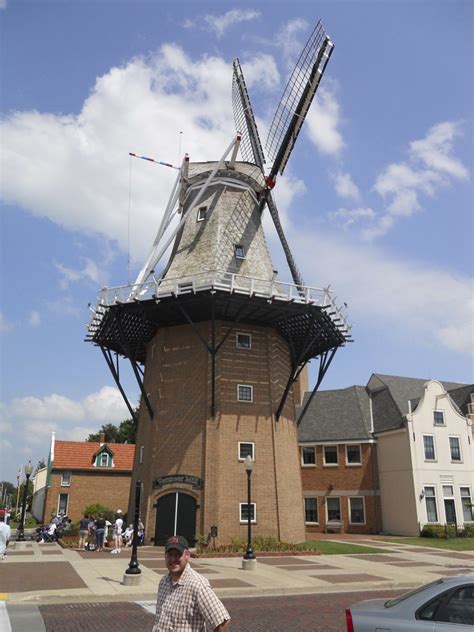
{"x":288,"y":42}
{"x":220,"y":23}
{"x":348,"y":217}
{"x":34,"y":319}
{"x":90,"y":271}
{"x":420,"y":300}
{"x":105,"y":405}
{"x":346,"y":187}
{"x":323,"y":120}
{"x":435,"y":150}
{"x":4,"y":324}
{"x":431,"y":165}
{"x":3,"y":4}
{"x":50,"y":407}
{"x":85,"y":185}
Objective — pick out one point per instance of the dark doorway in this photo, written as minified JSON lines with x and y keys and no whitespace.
{"x":450,"y":510}
{"x":175,"y":515}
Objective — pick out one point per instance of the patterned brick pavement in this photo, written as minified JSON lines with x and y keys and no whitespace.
{"x":318,"y":613}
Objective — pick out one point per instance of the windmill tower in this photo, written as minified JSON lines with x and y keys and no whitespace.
{"x":217,"y":342}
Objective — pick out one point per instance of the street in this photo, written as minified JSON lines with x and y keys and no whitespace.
{"x":317,"y":612}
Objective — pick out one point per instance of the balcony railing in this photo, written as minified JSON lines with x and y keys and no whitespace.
{"x":224,"y":281}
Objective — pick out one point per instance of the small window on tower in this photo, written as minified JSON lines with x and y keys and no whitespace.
{"x":244,"y":341}
{"x":244,"y":393}
{"x":202,"y":213}
{"x":239,"y":251}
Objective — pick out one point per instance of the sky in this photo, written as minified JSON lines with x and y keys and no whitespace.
{"x":376,"y":200}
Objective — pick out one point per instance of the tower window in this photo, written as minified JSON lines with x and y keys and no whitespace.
{"x":202,"y":213}
{"x":244,"y":393}
{"x":239,"y":251}
{"x":245,"y":450}
{"x":244,"y":341}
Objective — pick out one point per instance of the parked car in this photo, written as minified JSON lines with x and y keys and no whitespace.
{"x":445,"y":605}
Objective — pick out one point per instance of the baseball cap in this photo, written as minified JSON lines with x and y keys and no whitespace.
{"x":176,"y":542}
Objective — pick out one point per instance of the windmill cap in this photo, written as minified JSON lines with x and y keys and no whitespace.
{"x":176,"y":542}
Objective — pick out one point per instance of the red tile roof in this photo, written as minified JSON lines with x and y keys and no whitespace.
{"x":73,"y":455}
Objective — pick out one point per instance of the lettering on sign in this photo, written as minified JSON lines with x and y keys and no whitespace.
{"x":194,"y":481}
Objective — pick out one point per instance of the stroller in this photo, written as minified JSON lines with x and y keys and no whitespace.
{"x":45,"y":534}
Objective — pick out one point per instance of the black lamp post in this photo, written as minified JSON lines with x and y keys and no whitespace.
{"x":249,"y":554}
{"x":133,"y":567}
{"x":21,"y":529}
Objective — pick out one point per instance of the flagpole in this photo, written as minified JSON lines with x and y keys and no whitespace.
{"x":18,"y":478}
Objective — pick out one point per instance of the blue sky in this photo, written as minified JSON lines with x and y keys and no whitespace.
{"x":376,"y":199}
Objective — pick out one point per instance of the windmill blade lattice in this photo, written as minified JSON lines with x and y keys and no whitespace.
{"x":250,"y":145}
{"x":297,"y":97}
{"x":251,"y":150}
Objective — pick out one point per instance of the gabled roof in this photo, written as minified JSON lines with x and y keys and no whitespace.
{"x":79,"y":455}
{"x":337,"y":415}
{"x":391,"y":394}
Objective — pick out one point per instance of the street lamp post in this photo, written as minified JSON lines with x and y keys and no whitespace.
{"x":132,"y":576}
{"x":249,"y":560}
{"x":21,"y":529}
{"x":133,"y":567}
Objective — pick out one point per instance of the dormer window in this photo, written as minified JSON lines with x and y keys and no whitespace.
{"x":103,"y":459}
{"x":239,"y":251}
{"x":202,"y":213}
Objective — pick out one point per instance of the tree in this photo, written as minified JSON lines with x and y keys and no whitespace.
{"x":124,"y":433}
{"x":7,"y":493}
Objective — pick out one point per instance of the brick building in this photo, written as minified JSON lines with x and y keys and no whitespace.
{"x":82,"y":473}
{"x":391,"y":456}
{"x":339,"y":463}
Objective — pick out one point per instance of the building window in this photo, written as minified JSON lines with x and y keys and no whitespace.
{"x":330,"y":455}
{"x":430,"y":502}
{"x":239,"y":251}
{"x":62,"y":504}
{"x":308,"y":455}
{"x":356,"y":510}
{"x":429,"y":447}
{"x":333,"y":509}
{"x":244,"y":393}
{"x":141,"y":453}
{"x":244,"y":513}
{"x":455,"y":449}
{"x":466,"y":502}
{"x":311,"y":510}
{"x":245,"y":450}
{"x":438,"y":417}
{"x":353,"y":455}
{"x":202,"y":213}
{"x":243,"y":341}
{"x":449,"y":505}
{"x":66,"y":478}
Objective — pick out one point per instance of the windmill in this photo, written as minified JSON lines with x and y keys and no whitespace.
{"x":217,"y":342}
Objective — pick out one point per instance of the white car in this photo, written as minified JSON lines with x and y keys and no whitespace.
{"x":445,"y":605}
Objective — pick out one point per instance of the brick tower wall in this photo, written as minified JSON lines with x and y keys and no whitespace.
{"x":183,"y":438}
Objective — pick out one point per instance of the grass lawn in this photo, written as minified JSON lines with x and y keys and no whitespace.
{"x":327,"y":547}
{"x":453,"y":544}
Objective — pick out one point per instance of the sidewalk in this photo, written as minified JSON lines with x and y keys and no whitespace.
{"x":42,"y":574}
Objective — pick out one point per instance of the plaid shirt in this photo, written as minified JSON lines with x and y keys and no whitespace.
{"x":188,"y":605}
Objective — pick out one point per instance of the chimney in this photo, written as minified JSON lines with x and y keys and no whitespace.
{"x":102,"y":438}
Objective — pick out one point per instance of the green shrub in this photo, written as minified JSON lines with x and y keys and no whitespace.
{"x":442,"y":531}
{"x":95,"y":509}
{"x":469,"y":530}
{"x":259,"y":543}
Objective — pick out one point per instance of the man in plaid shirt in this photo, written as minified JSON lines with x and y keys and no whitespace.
{"x":186,"y":601}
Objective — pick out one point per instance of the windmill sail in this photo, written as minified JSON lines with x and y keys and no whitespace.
{"x":297,"y":98}
{"x":251,"y":150}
